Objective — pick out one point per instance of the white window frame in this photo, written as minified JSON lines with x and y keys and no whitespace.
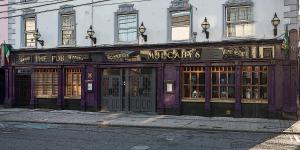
{"x":250,"y":22}
{"x":125,"y":9}
{"x":66,"y":10}
{"x":179,"y":6}
{"x":29,"y":31}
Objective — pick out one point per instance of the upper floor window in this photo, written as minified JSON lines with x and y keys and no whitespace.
{"x":127,"y":23}
{"x":239,"y":18}
{"x":67,"y":26}
{"x":29,"y":28}
{"x":180,"y":20}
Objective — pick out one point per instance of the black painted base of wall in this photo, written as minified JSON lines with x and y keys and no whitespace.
{"x":222,"y":109}
{"x":256,"y":111}
{"x":72,"y":104}
{"x":192,"y":108}
{"x":169,"y":111}
{"x":47,"y":104}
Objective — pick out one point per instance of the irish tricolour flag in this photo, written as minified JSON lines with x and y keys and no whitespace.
{"x":5,"y":53}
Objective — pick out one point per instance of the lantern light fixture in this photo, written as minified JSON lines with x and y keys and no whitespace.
{"x":205,"y":26}
{"x":90,"y":32}
{"x":37,"y":37}
{"x":142,"y":30}
{"x":275,"y":22}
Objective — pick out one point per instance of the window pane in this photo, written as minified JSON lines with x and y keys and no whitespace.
{"x":201,"y":92}
{"x":255,"y":93}
{"x":245,"y":13}
{"x":215,"y":92}
{"x":263,"y":93}
{"x":127,"y":27}
{"x":194,"y":78}
{"x":255,"y":78}
{"x":215,"y":78}
{"x":186,"y":79}
{"x":180,"y":26}
{"x":231,"y":78}
{"x":223,"y":78}
{"x":30,"y":24}
{"x":186,"y":91}
{"x":246,"y":92}
{"x":232,"y":14}
{"x":202,"y":78}
{"x":263,"y":78}
{"x":231,"y":92}
{"x":223,"y":92}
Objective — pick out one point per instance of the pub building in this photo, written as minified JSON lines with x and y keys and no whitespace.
{"x":247,"y":78}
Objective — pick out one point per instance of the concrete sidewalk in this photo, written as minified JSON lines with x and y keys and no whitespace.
{"x":152,"y":121}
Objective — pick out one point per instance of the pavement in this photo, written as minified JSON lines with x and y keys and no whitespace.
{"x":125,"y":119}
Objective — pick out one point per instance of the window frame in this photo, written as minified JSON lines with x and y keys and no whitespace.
{"x":119,"y":29}
{"x":41,"y":78}
{"x":179,"y":6}
{"x":77,"y":85}
{"x":190,"y":70}
{"x":25,"y":33}
{"x":250,"y":20}
{"x":218,"y":70}
{"x":66,"y":10}
{"x":262,"y":69}
{"x":125,"y":9}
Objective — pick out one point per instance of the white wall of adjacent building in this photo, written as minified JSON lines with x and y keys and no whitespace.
{"x":154,"y":14}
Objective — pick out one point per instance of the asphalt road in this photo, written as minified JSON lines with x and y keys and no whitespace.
{"x":33,"y":136}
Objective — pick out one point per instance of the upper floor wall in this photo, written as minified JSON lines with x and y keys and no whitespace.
{"x":3,"y":21}
{"x":162,"y":18}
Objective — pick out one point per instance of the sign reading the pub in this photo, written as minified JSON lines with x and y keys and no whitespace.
{"x":51,"y":58}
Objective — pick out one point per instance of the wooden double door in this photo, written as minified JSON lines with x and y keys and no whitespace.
{"x":131,"y":89}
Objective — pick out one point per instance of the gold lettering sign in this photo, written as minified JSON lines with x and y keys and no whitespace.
{"x":174,"y":54}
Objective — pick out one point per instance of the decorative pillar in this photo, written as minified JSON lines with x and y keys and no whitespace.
{"x":11,"y":82}
{"x":271,"y":89}
{"x":160,"y":90}
{"x":96,"y":85}
{"x":207,"y":89}
{"x":83,"y":103}
{"x":33,"y":101}
{"x":7,"y":101}
{"x":61,"y":87}
{"x":237,"y":106}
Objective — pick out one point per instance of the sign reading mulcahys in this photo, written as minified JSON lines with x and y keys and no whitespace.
{"x":154,"y":55}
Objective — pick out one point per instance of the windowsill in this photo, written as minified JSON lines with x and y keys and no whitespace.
{"x":45,"y":96}
{"x":238,"y":37}
{"x":59,"y":46}
{"x":180,"y":41}
{"x":28,"y":47}
{"x":254,"y":101}
{"x":73,"y":97}
{"x":126,"y":42}
{"x":194,"y":100}
{"x":218,"y":100}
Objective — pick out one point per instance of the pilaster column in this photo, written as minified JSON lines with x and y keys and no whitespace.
{"x":271,"y":89}
{"x":237,"y":106}
{"x":61,"y":87}
{"x":33,"y":101}
{"x":83,"y":103}
{"x":207,"y":89}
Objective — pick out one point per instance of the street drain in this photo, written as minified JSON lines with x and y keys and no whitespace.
{"x":140,"y":147}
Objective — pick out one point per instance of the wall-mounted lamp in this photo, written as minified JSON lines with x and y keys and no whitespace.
{"x":90,"y":32}
{"x":205,"y":26}
{"x":37,"y":37}
{"x":142,"y":30}
{"x":275,"y":22}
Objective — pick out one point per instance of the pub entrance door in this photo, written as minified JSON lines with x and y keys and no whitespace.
{"x":23,"y":90}
{"x":23,"y":87}
{"x":128,"y":90}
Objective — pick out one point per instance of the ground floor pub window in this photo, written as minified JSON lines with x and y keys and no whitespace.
{"x":46,"y":83}
{"x":223,"y":82}
{"x":193,"y":82}
{"x":254,"y":82}
{"x":73,"y":83}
